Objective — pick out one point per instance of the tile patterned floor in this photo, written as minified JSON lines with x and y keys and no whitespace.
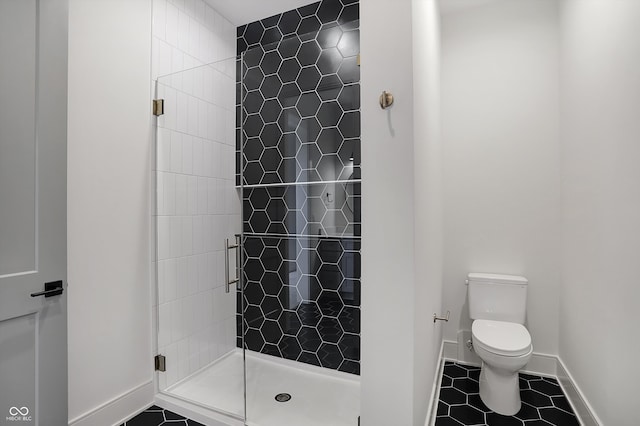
{"x":156,"y":416}
{"x":543,"y":402}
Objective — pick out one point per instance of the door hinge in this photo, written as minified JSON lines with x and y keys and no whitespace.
{"x":158,"y":107}
{"x":160,"y":363}
{"x":358,"y":60}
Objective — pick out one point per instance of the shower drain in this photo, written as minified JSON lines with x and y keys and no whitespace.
{"x":283,"y":397}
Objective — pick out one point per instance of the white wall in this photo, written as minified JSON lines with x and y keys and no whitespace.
{"x":388,"y":275}
{"x":197,"y":203}
{"x":601,"y":204}
{"x":241,"y":12}
{"x":428,"y":240}
{"x":398,"y":339}
{"x":108,"y":208}
{"x":500,"y":100}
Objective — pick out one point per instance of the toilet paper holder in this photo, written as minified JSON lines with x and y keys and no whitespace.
{"x":437,"y":318}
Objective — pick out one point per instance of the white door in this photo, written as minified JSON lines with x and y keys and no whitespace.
{"x":33,"y":107}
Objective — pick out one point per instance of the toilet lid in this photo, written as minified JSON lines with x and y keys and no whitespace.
{"x":502,"y":338}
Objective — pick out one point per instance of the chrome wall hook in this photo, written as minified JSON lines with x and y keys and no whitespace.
{"x":437,"y":318}
{"x":386,"y":100}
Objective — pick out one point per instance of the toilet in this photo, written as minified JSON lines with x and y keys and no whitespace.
{"x":498,"y":307}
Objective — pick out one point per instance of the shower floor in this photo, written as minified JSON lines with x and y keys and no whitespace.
{"x":319,"y":397}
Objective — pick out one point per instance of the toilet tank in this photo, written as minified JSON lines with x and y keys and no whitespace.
{"x":497,"y":297}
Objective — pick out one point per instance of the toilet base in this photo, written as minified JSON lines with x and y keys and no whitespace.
{"x":500,"y":390}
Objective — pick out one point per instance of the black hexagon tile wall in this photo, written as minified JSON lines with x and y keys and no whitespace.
{"x":298,"y":155}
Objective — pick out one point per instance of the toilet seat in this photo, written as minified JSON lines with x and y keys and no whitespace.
{"x":501,"y":338}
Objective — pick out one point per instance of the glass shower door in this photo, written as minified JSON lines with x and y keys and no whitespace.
{"x":277,"y":161}
{"x":197,"y":208}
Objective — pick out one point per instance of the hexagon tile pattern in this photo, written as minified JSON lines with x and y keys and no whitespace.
{"x":298,"y":121}
{"x":326,"y":210}
{"x":157,"y":416}
{"x":298,"y":95}
{"x":302,"y":300}
{"x":543,"y":402}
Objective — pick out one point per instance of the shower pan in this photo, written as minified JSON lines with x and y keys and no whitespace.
{"x":258,"y":227}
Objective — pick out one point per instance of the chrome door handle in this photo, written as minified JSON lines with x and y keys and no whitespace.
{"x":51,"y":289}
{"x":228,"y":247}
{"x":238,"y":256}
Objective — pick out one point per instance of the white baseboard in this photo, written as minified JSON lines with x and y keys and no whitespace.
{"x":195,"y":412}
{"x":120,"y":408}
{"x":435,"y":390}
{"x":449,"y":349}
{"x":541,"y":365}
{"x":576,"y":398}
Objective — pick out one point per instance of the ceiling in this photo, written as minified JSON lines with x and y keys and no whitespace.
{"x":241,"y":12}
{"x":452,"y":6}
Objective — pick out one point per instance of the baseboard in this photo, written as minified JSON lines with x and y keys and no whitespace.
{"x":541,"y":365}
{"x":579,"y":403}
{"x":121,"y":408}
{"x":435,"y":389}
{"x":194,"y":411}
{"x":450,"y":349}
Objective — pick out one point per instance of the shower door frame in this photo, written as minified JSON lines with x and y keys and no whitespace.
{"x":164,"y":396}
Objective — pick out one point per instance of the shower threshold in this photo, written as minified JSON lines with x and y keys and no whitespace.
{"x":319,"y":396}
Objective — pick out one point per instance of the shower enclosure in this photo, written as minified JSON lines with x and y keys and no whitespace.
{"x":258,"y":220}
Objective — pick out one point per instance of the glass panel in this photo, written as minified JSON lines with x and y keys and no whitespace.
{"x":300,"y":166}
{"x":300,"y":125}
{"x":310,"y":288}
{"x":17,"y":136}
{"x":321,"y":209}
{"x":198,"y":208}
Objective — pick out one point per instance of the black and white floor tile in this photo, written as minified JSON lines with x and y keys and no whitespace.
{"x":543,"y":402}
{"x":156,"y":416}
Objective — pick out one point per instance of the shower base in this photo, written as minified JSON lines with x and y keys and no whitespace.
{"x":319,"y":397}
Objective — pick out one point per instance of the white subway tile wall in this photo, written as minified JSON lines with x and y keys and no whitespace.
{"x":197,"y":205}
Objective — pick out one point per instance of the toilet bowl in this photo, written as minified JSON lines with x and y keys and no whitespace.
{"x":505,"y":348}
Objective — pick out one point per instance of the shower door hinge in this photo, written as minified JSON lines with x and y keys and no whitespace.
{"x":358,"y":60}
{"x":160,"y":363}
{"x":158,"y":107}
